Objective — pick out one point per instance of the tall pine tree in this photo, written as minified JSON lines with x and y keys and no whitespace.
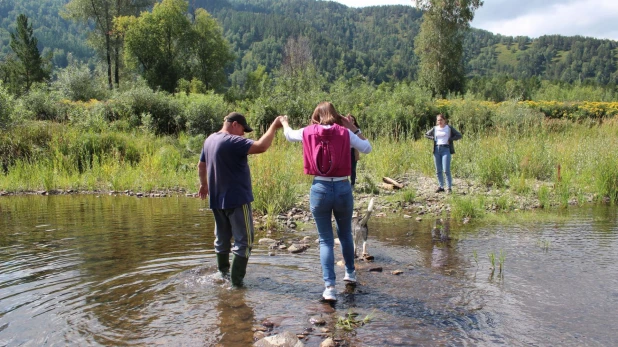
{"x":29,"y":67}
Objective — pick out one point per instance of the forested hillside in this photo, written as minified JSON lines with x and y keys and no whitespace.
{"x":54,"y":33}
{"x":376,"y":43}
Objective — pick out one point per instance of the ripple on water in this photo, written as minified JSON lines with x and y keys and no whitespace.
{"x":120,"y":270}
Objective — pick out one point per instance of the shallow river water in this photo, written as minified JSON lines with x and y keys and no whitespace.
{"x":119,"y":271}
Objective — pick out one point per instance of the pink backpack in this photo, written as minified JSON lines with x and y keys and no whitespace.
{"x":326,"y":151}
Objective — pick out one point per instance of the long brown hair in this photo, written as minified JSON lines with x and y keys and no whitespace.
{"x":325,"y":114}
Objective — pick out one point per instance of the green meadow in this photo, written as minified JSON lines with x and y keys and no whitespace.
{"x":555,"y":153}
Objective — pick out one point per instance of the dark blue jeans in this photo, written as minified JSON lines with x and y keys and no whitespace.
{"x":325,"y":199}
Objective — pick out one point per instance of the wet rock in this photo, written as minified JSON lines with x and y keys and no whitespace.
{"x":282,"y":247}
{"x":266,"y":241}
{"x":367,"y":257}
{"x":285,"y":339}
{"x":268,"y":324}
{"x":297,"y":248}
{"x":317,"y":321}
{"x":272,"y":254}
{"x":329,"y":342}
{"x":258,"y":335}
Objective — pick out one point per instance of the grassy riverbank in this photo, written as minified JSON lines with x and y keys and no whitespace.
{"x":519,"y":165}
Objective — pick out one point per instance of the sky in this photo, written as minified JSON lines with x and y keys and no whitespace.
{"x":534,"y":18}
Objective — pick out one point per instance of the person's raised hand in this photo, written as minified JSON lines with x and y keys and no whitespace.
{"x":348,"y":122}
{"x":277,"y":122}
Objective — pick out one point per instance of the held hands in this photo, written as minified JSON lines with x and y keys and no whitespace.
{"x":277,"y":123}
{"x":284,"y":120}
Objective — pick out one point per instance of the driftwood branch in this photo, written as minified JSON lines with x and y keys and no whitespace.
{"x":392,"y":182}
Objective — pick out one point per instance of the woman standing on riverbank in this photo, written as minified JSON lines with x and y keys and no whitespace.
{"x":443,"y":136}
{"x":327,"y":142}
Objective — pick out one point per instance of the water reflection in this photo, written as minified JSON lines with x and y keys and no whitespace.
{"x":236,"y":318}
{"x":126,"y":271}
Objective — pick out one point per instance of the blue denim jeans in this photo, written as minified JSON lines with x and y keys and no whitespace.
{"x":325,"y":199}
{"x":442,"y":159}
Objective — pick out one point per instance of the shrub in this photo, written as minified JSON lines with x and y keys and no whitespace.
{"x":41,"y":104}
{"x":470,"y":116}
{"x":516,"y":118}
{"x":163,"y":112}
{"x":204,"y":113}
{"x":76,"y":82}
{"x":7,"y":105}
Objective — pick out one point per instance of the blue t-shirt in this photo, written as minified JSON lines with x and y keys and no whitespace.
{"x":229,"y":178}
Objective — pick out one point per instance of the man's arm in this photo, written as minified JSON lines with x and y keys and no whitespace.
{"x":201,"y":172}
{"x":261,"y":145}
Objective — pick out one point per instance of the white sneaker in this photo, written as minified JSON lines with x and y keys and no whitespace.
{"x":350,"y":277}
{"x":329,"y":294}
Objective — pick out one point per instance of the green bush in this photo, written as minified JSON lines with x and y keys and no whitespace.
{"x":157,"y":111}
{"x":260,"y":115}
{"x":470,"y":116}
{"x":77,"y":83}
{"x":203,"y":113}
{"x":607,"y":179}
{"x":23,"y":142}
{"x":515,"y":118}
{"x":7,"y":105}
{"x":41,"y":104}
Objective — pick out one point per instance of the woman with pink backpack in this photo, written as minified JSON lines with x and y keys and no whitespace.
{"x":327,"y":143}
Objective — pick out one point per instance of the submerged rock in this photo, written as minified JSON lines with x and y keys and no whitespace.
{"x":285,"y":339}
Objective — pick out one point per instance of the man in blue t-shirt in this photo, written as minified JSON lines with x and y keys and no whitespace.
{"x":224,"y":175}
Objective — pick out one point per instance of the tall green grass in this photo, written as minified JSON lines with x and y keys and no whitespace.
{"x":48,"y":156}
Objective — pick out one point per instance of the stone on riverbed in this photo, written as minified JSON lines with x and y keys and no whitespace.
{"x":285,"y":339}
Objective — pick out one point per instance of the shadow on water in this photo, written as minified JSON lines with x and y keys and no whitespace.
{"x":122,"y":271}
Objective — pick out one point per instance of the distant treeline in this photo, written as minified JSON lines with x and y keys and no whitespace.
{"x":372,"y":43}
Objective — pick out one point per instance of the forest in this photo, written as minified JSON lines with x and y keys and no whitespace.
{"x":373,"y":43}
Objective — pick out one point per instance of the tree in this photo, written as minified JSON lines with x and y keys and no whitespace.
{"x":211,"y":50}
{"x":103,"y":38}
{"x":439,"y":44}
{"x":165,"y":46}
{"x":298,"y":73}
{"x":29,"y":67}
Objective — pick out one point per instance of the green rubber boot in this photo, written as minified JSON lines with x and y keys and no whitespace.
{"x":239,"y":268}
{"x":223,"y":264}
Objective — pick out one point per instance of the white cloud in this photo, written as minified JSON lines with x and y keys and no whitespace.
{"x":534,"y":18}
{"x":594,"y":18}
